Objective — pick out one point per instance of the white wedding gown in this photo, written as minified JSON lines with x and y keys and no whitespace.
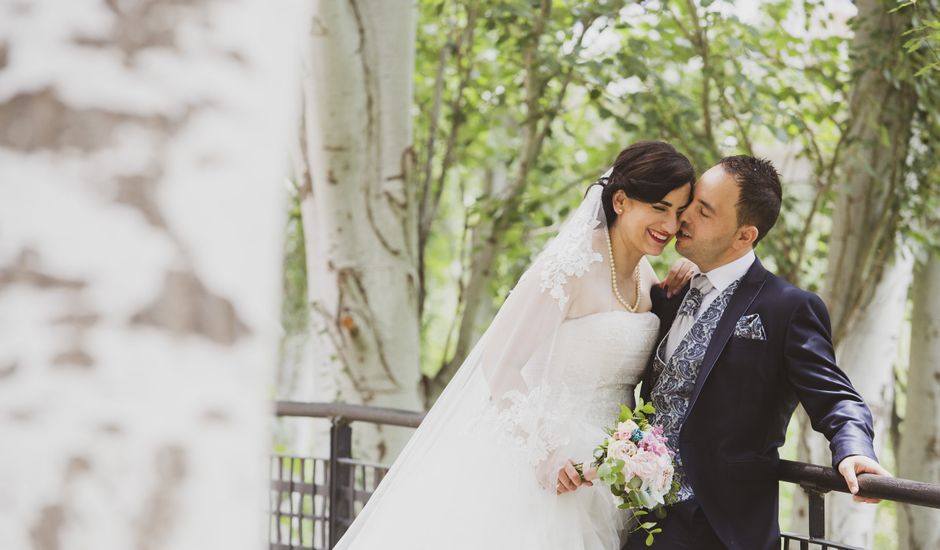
{"x":477,"y":490}
{"x":538,"y":389}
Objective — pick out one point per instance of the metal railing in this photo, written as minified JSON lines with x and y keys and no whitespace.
{"x":314,"y":500}
{"x":817,"y":480}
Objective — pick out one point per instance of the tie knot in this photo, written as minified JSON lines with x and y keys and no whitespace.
{"x":702,"y":284}
{"x":693,"y":299}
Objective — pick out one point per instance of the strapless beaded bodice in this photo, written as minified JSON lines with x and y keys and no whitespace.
{"x":600,"y":358}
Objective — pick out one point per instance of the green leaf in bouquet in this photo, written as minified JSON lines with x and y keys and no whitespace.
{"x":635,"y":483}
{"x":634,"y":500}
{"x":625,"y":413}
{"x":660,"y":512}
{"x":649,"y":539}
{"x":640,"y":512}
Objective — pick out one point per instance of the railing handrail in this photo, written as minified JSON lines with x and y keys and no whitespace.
{"x":350,"y":412}
{"x":812,"y":476}
{"x":823,"y":478}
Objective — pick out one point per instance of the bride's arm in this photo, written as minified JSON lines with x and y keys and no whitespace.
{"x":516,"y":356}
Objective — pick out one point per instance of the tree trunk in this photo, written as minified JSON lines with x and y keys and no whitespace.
{"x":359,"y":210}
{"x":861,"y":248}
{"x":873,"y":165}
{"x":868,"y":354}
{"x":139,"y":268}
{"x":919,"y":527}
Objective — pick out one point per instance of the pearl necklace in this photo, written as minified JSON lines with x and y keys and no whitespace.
{"x":613,"y":278}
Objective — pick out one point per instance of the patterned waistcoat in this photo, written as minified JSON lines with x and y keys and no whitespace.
{"x":676,"y":378}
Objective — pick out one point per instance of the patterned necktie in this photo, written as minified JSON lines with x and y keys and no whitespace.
{"x":688,"y":312}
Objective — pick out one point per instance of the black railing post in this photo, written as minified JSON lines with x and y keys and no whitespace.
{"x":817,"y":512}
{"x":340,"y":504}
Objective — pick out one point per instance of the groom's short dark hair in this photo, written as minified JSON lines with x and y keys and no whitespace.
{"x":760,"y":194}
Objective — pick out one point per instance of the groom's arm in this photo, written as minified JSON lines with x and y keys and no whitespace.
{"x":834,"y":407}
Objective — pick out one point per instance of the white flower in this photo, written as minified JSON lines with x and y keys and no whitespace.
{"x":663,"y":483}
{"x":624,"y":449}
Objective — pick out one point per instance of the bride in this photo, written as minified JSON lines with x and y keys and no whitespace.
{"x":569,"y":345}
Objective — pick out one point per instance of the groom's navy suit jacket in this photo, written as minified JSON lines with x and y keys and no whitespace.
{"x":743,"y":398}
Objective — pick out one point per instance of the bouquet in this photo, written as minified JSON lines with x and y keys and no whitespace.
{"x":637,"y":466}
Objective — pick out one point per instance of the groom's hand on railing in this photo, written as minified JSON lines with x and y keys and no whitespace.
{"x":853,"y":465}
{"x":569,"y":479}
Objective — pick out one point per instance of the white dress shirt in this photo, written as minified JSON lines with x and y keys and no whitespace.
{"x":721,"y":278}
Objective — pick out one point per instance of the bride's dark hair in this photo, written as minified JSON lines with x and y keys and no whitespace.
{"x":646,"y":171}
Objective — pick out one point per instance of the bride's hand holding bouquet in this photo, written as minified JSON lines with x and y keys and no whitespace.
{"x":636,"y":464}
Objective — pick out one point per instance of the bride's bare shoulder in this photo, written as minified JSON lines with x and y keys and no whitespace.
{"x":647,"y":273}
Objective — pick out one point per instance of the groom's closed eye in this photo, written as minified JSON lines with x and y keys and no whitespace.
{"x":705,"y":209}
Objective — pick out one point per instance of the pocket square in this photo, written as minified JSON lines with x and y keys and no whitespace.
{"x":750,"y":327}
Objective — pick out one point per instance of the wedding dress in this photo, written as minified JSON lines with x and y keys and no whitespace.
{"x":539,"y":388}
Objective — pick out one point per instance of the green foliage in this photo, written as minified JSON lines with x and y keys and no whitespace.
{"x":294,"y":310}
{"x":921,"y":216}
{"x":696,"y":74}
{"x":924,"y":36}
{"x":692,"y":73}
{"x":674,"y":72}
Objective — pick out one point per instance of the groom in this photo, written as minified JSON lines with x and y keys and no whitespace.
{"x":738,"y":349}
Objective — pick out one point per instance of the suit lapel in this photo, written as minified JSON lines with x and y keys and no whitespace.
{"x":743,"y":297}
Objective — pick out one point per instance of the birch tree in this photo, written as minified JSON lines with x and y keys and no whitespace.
{"x":868,"y":354}
{"x":140,"y":158}
{"x":919,"y":457}
{"x":867,"y":278}
{"x":358,"y":210}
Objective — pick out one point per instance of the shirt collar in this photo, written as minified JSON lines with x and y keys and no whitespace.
{"x":722,"y":276}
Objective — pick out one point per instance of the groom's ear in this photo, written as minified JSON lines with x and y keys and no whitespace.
{"x":746,"y":237}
